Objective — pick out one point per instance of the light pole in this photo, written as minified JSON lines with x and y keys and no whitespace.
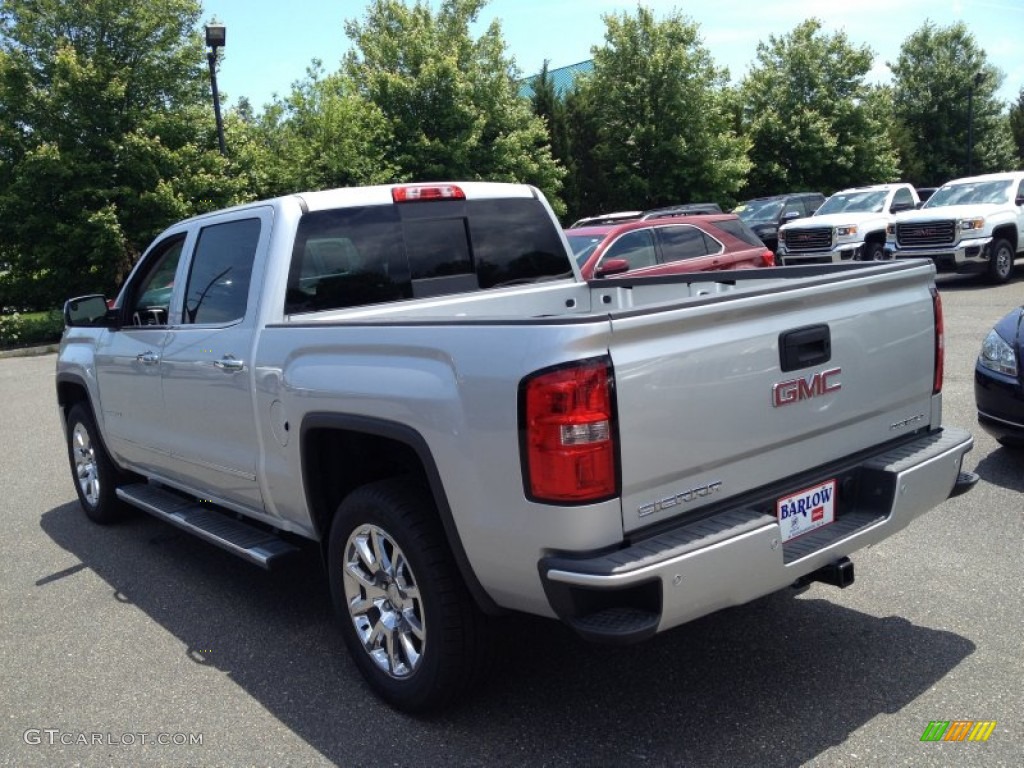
{"x":215,"y":35}
{"x":979,"y":77}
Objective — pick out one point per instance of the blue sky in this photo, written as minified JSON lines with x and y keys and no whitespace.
{"x":270,"y":43}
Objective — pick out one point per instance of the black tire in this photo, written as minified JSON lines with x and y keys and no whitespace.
{"x":94,"y":474}
{"x":1000,"y":262}
{"x":873,"y":251}
{"x":408,"y":620}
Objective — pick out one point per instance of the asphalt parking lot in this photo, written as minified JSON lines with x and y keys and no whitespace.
{"x":139,"y":645}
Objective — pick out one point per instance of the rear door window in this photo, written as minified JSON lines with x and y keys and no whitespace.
{"x":685,"y":242}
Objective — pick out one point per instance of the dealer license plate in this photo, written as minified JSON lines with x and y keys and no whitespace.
{"x":807,"y":510}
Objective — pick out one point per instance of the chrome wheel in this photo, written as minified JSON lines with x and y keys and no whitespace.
{"x":86,"y":471}
{"x":384,"y":601}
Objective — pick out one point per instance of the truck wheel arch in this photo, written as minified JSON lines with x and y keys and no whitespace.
{"x":383,"y":449}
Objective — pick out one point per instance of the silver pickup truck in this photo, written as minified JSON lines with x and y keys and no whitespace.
{"x":415,"y":378}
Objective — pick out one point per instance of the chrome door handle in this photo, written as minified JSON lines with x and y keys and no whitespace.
{"x":229,"y":364}
{"x":147,"y":358}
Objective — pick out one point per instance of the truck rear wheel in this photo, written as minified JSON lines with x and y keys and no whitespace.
{"x":1000,"y":262}
{"x":94,"y":473}
{"x":408,"y":620}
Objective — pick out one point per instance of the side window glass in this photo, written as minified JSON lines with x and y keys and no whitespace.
{"x":902,"y":200}
{"x":679,"y":243}
{"x":636,"y":247}
{"x":149,"y":299}
{"x":1020,"y":190}
{"x":217,"y":290}
{"x":793,"y":206}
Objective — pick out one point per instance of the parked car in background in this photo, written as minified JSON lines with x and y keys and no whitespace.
{"x":667,"y":246}
{"x":998,"y":384}
{"x":849,"y":226}
{"x":923,"y":193}
{"x":974,"y":224}
{"x":765,"y":215}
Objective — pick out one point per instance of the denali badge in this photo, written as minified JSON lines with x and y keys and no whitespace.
{"x":680,"y":498}
{"x":794,"y":390}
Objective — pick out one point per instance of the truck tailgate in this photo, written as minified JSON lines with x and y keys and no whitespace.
{"x":707,"y":412}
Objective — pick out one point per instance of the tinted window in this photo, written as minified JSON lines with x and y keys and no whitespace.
{"x":902,"y":200}
{"x":218,"y":282}
{"x":437,"y":247}
{"x":636,"y":247}
{"x":684,"y":243}
{"x":369,"y":265}
{"x":811,"y":204}
{"x":391,"y":252}
{"x":150,"y":297}
{"x":739,"y":230}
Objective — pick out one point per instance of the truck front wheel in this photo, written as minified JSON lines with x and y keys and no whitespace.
{"x":1000,"y":262}
{"x":873,"y":251}
{"x":408,"y":620}
{"x":95,"y":475}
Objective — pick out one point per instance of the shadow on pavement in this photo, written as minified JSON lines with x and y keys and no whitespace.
{"x":772,"y":683}
{"x":1003,"y":467}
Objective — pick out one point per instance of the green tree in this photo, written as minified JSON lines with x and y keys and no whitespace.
{"x":323,"y":135}
{"x":660,"y":110}
{"x":940,"y":76}
{"x":1016,"y":118}
{"x":586,"y":183}
{"x":813,"y":121}
{"x":107,"y":137}
{"x":449,"y":101}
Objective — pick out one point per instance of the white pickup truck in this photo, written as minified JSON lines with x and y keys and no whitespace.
{"x":416,"y":378}
{"x":974,"y":224}
{"x":849,"y":226}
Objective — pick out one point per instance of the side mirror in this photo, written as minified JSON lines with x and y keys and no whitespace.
{"x":88,"y":312}
{"x":612,"y":267}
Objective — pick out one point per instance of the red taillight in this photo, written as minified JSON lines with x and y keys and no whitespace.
{"x":940,"y":342}
{"x":768,"y":258}
{"x":569,"y":433}
{"x":409,"y":193}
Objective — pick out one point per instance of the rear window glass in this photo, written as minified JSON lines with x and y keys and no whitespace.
{"x":355,"y":256}
{"x":739,"y":230}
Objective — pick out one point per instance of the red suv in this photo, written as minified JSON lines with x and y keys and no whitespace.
{"x":667,"y":246}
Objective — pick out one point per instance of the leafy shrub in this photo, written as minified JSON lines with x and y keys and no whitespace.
{"x":26,"y":330}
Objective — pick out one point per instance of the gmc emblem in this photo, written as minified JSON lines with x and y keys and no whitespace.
{"x":795,"y":390}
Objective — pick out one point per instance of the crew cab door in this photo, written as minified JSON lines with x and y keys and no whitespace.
{"x":206,"y":367}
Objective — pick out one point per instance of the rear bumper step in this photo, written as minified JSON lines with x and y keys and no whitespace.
{"x":737,"y":555}
{"x":209,"y":523}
